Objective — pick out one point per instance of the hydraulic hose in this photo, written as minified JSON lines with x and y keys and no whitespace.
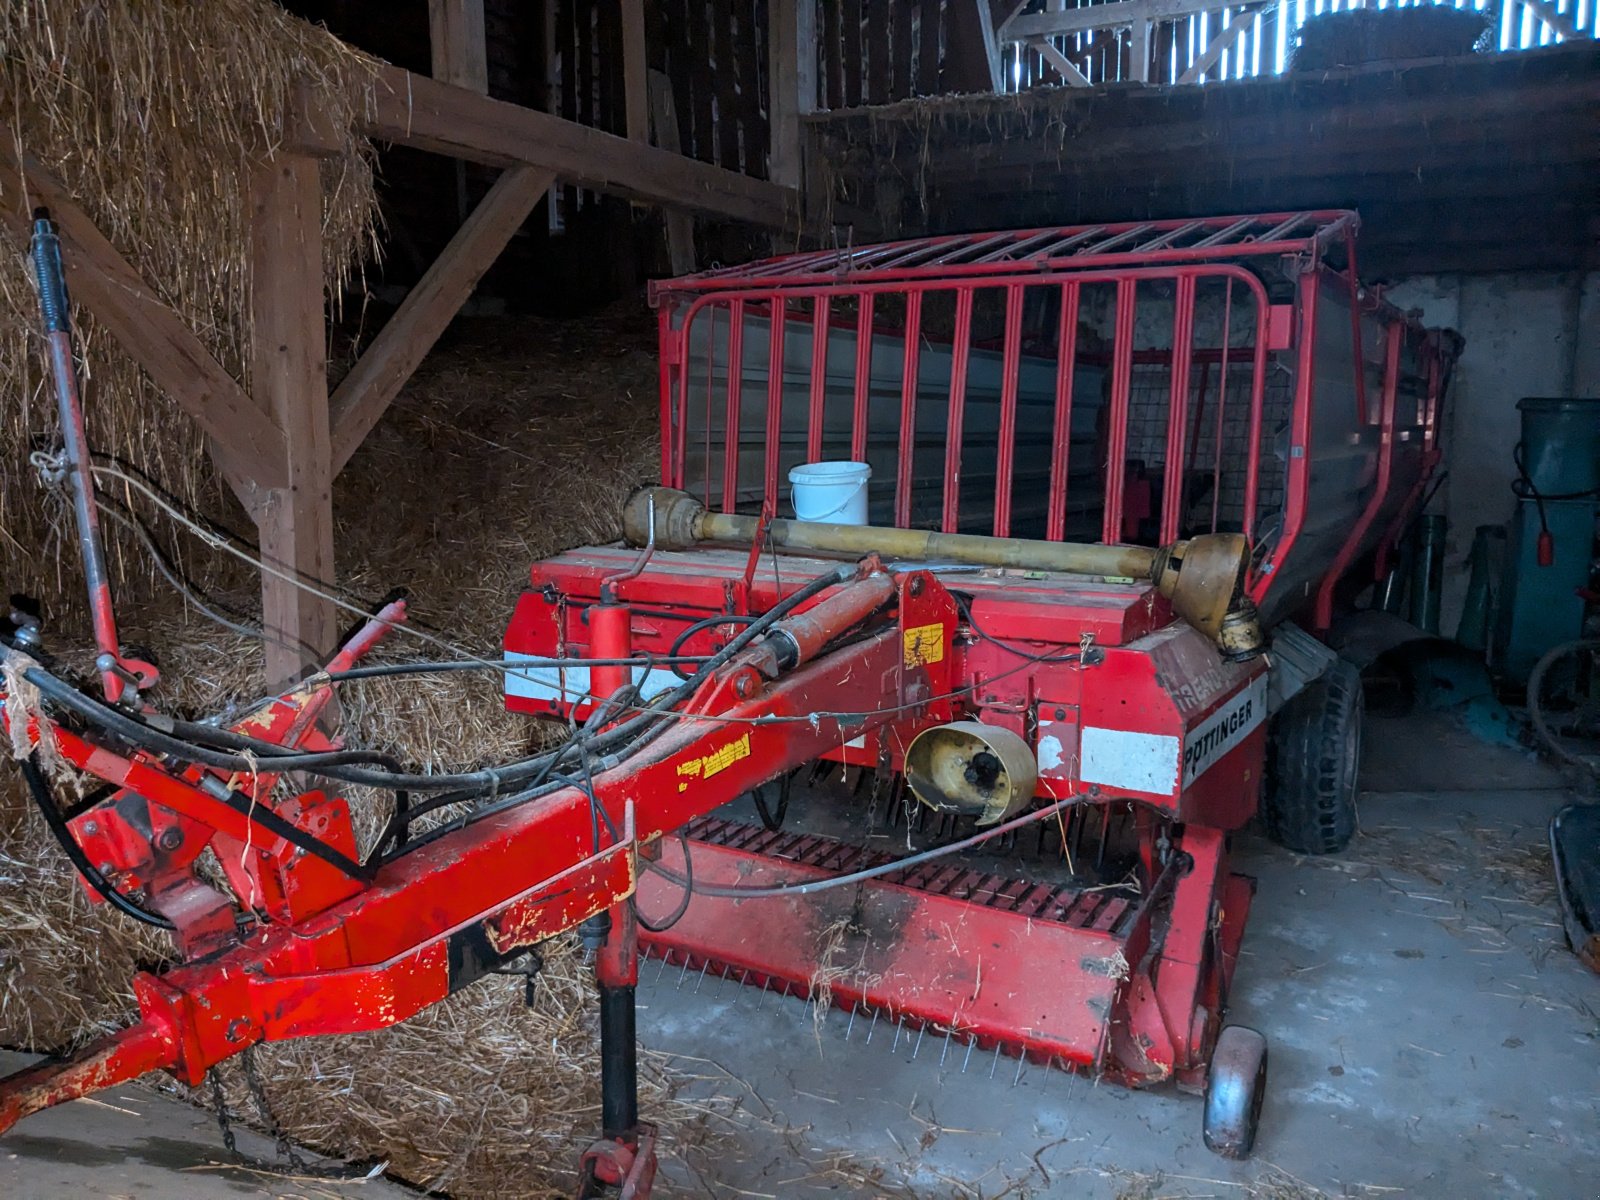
{"x":62,"y":832}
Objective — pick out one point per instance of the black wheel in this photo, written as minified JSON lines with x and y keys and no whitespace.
{"x":1312,"y":764}
{"x":1235,"y":1088}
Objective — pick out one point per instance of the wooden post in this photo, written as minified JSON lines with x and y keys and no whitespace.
{"x":680,"y":224}
{"x":1139,"y":48}
{"x":290,"y":380}
{"x":377,"y":377}
{"x":635,"y":71}
{"x":792,"y":75}
{"x":460,"y":53}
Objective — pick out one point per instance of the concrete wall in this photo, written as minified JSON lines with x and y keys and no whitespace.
{"x":1533,"y":334}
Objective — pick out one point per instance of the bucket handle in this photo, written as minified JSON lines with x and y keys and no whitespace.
{"x":839,"y":507}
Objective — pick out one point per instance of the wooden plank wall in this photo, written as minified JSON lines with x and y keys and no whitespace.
{"x":879,"y":51}
{"x":715,"y":53}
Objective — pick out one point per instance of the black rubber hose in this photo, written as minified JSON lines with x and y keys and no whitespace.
{"x":339,"y":764}
{"x":690,"y":631}
{"x":683,"y":904}
{"x":62,"y":832}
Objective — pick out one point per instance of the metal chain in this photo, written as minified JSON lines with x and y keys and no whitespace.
{"x":258,"y":1093}
{"x":294,"y":1163}
{"x":221,"y":1104}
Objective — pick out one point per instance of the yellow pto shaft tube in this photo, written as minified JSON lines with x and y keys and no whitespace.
{"x":1202,"y":577}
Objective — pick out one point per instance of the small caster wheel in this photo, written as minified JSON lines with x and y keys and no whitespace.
{"x":1234,"y":1090}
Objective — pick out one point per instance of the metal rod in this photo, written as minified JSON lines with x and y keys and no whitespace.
{"x":55,"y":308}
{"x":777,"y":339}
{"x":1121,"y":381}
{"x":619,"y":1062}
{"x":959,"y":353}
{"x":858,"y":425}
{"x":1010,"y":370}
{"x":1178,"y":408}
{"x":733,"y":422}
{"x":819,"y":378}
{"x":908,"y":409}
{"x":1061,"y":456}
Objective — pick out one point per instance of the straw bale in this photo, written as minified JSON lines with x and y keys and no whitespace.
{"x":151,"y":113}
{"x":1333,"y":40}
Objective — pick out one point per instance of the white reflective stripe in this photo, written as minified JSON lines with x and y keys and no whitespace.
{"x":570,"y":685}
{"x":1224,"y":729}
{"x":1134,"y":762}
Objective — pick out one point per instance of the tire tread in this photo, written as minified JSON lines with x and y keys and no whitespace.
{"x":1310,"y":801}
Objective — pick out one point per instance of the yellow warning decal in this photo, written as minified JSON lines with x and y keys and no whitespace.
{"x":711,"y":764}
{"x":924,"y":645}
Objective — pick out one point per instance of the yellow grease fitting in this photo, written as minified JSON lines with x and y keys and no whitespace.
{"x":924,"y":645}
{"x":717,"y":761}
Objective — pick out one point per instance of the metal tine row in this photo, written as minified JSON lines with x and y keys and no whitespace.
{"x":870,"y":1024}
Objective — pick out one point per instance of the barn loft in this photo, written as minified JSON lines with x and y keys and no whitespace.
{"x":983,"y":598}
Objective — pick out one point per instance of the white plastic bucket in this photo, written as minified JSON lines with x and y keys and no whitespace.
{"x":835,"y":492}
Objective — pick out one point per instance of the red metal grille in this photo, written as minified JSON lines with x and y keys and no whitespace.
{"x":1201,"y":239}
{"x":1133,"y":382}
{"x":1104,"y":911}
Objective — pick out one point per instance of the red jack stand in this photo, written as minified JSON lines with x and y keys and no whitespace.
{"x":625,"y":1156}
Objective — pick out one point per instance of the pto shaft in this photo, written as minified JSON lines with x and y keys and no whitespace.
{"x":1203,"y":577}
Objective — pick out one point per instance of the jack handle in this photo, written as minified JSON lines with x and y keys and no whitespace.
{"x":73,"y":463}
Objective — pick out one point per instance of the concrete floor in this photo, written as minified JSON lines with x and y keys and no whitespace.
{"x":1430,"y":1035}
{"x":133,"y":1143}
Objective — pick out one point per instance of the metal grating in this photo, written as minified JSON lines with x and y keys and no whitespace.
{"x":1105,"y":911}
{"x":997,"y":255}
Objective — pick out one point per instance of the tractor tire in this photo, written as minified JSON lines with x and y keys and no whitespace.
{"x":1313,"y":761}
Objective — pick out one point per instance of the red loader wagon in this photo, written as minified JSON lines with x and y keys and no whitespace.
{"x":1117,"y":473}
{"x":1132,"y":383}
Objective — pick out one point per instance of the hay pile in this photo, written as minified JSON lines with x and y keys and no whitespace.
{"x":1333,"y":40}
{"x":520,"y":440}
{"x":109,"y":97}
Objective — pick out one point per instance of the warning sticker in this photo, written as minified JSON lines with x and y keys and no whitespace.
{"x":717,"y":761}
{"x":924,"y":645}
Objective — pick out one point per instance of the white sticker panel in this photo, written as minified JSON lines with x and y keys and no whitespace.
{"x":1224,"y":729}
{"x":570,"y":685}
{"x":1134,"y":762}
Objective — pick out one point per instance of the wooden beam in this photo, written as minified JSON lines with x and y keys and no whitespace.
{"x":635,"y":71}
{"x":290,"y":374}
{"x":792,"y":75}
{"x":1225,"y":38}
{"x":1062,"y":64}
{"x":380,"y":373}
{"x":990,"y":43}
{"x":971,"y":52}
{"x":1139,"y":48}
{"x":1560,"y":22}
{"x":680,"y":225}
{"x":151,"y":333}
{"x":1112,"y":15}
{"x":458,"y":44}
{"x":415,"y":111}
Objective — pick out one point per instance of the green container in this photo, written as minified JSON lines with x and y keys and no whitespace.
{"x":1561,"y":444}
{"x":1427,"y":573}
